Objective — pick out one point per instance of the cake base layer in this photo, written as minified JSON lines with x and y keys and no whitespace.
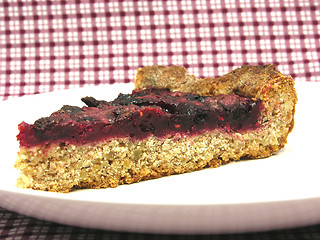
{"x":62,"y":168}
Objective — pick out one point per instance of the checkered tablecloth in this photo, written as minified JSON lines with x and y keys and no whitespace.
{"x":47,"y":45}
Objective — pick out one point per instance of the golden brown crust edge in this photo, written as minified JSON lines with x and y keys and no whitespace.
{"x":262,"y":82}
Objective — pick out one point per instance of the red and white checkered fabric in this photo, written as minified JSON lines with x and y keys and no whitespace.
{"x":47,"y":45}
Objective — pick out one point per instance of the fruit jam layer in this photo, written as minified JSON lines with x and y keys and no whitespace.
{"x":141,"y":114}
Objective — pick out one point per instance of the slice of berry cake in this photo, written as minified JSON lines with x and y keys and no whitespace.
{"x":171,"y":123}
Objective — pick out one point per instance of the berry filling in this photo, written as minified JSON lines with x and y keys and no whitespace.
{"x":157,"y":112}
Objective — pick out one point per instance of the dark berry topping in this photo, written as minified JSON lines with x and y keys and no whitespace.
{"x":141,"y":114}
{"x":92,"y":102}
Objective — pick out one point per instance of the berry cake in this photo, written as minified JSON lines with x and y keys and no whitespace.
{"x":171,"y":123}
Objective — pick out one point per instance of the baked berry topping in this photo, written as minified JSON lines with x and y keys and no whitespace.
{"x":143,"y":113}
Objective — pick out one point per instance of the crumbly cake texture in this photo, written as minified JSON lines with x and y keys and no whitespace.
{"x":65,"y":167}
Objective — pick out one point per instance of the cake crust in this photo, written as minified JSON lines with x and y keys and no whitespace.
{"x":65,"y":167}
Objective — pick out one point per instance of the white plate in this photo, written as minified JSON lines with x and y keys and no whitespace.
{"x":273,"y":193}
